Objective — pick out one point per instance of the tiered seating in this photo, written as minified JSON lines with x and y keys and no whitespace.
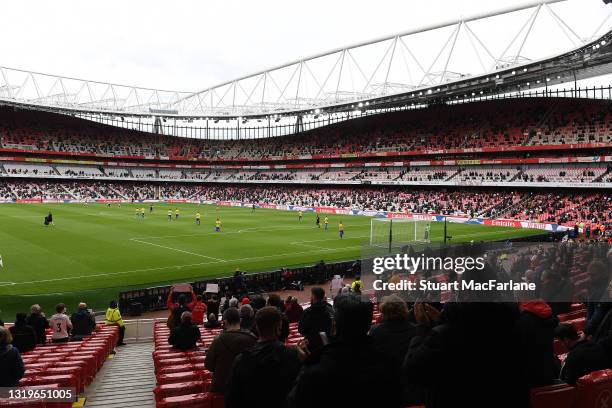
{"x":79,"y":171}
{"x":181,"y":377}
{"x":28,"y":169}
{"x":73,"y":364}
{"x":493,"y":124}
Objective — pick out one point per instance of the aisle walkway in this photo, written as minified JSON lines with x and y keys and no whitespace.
{"x":126,"y":381}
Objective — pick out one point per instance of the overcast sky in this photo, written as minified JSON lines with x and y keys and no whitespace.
{"x":191,"y":44}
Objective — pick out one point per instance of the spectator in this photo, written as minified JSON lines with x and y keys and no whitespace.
{"x":225,"y":347}
{"x":598,"y":303}
{"x":60,"y":324}
{"x":475,"y":346}
{"x":275,"y":300}
{"x":83,"y":322}
{"x":258,"y":302}
{"x":316,"y":319}
{"x":39,"y":323}
{"x":113,"y":318}
{"x":392,"y":336}
{"x":293,"y":310}
{"x":268,"y":362}
{"x":536,"y":328}
{"x":247,"y":317}
{"x":350,"y":362}
{"x":212,"y":304}
{"x":10,"y":360}
{"x":198,"y":311}
{"x":186,"y":334}
{"x":177,"y":309}
{"x":212,"y":322}
{"x":24,"y":336}
{"x":584,"y":356}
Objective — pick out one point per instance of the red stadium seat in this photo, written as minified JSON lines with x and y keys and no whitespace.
{"x":595,"y":390}
{"x":200,"y":400}
{"x":553,"y":396}
{"x":183,"y":388}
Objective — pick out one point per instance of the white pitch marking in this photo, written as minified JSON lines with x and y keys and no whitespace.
{"x":178,"y":250}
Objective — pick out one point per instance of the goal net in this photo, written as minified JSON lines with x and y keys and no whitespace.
{"x":387,"y":232}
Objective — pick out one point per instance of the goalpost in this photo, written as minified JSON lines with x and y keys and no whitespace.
{"x":385,"y":232}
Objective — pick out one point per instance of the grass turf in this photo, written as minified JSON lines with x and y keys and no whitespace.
{"x":94,"y":251}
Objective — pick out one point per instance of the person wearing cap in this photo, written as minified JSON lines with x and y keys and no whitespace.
{"x":113,"y":318}
{"x":83,"y":322}
{"x":185,"y":335}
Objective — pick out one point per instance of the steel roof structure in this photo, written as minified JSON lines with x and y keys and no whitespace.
{"x":534,"y":45}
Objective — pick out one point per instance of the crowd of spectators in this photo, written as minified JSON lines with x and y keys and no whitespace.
{"x":487,"y":124}
{"x":425,"y":353}
{"x":565,"y":208}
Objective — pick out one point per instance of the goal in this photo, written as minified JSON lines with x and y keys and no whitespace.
{"x":386,"y":232}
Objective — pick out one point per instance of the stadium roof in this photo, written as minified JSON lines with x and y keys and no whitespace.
{"x":535,"y":44}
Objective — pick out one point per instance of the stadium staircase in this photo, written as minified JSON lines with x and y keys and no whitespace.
{"x":455,"y":174}
{"x":125,"y":381}
{"x":603,"y":176}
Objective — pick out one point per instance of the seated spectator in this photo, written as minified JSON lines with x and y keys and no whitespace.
{"x":113,"y":318}
{"x":61,"y":325}
{"x":212,"y":322}
{"x":198,"y":311}
{"x":39,"y":323}
{"x":584,"y":356}
{"x":247,"y":317}
{"x":186,"y":334}
{"x":177,"y":309}
{"x":293,"y":310}
{"x":225,"y":347}
{"x":212,"y":304}
{"x":316,"y":319}
{"x":350,"y":362}
{"x":537,"y":328}
{"x":475,"y":346}
{"x":10,"y":360}
{"x":269,"y":362}
{"x":83,"y":322}
{"x":24,"y":336}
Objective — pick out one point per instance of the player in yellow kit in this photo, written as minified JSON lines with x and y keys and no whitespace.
{"x":326,"y":223}
{"x":198,"y":216}
{"x":218,"y":225}
{"x":176,"y":214}
{"x":169,"y":215}
{"x":300,"y":215}
{"x":341,"y":230}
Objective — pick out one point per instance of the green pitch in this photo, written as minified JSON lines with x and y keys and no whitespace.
{"x":94,"y":251}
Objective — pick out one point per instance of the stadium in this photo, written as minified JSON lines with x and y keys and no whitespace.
{"x":234,"y":245}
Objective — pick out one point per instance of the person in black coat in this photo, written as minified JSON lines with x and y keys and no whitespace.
{"x":349,"y":371}
{"x":262,"y":375}
{"x":24,"y":336}
{"x":83,"y":322}
{"x":186,"y":334}
{"x":537,"y":325}
{"x":316,"y":319}
{"x":392,"y":336}
{"x":584,"y":356}
{"x":39,"y":323}
{"x":467,"y":356}
{"x":10,"y":360}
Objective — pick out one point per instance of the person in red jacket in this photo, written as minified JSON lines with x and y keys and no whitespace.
{"x":198,"y":311}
